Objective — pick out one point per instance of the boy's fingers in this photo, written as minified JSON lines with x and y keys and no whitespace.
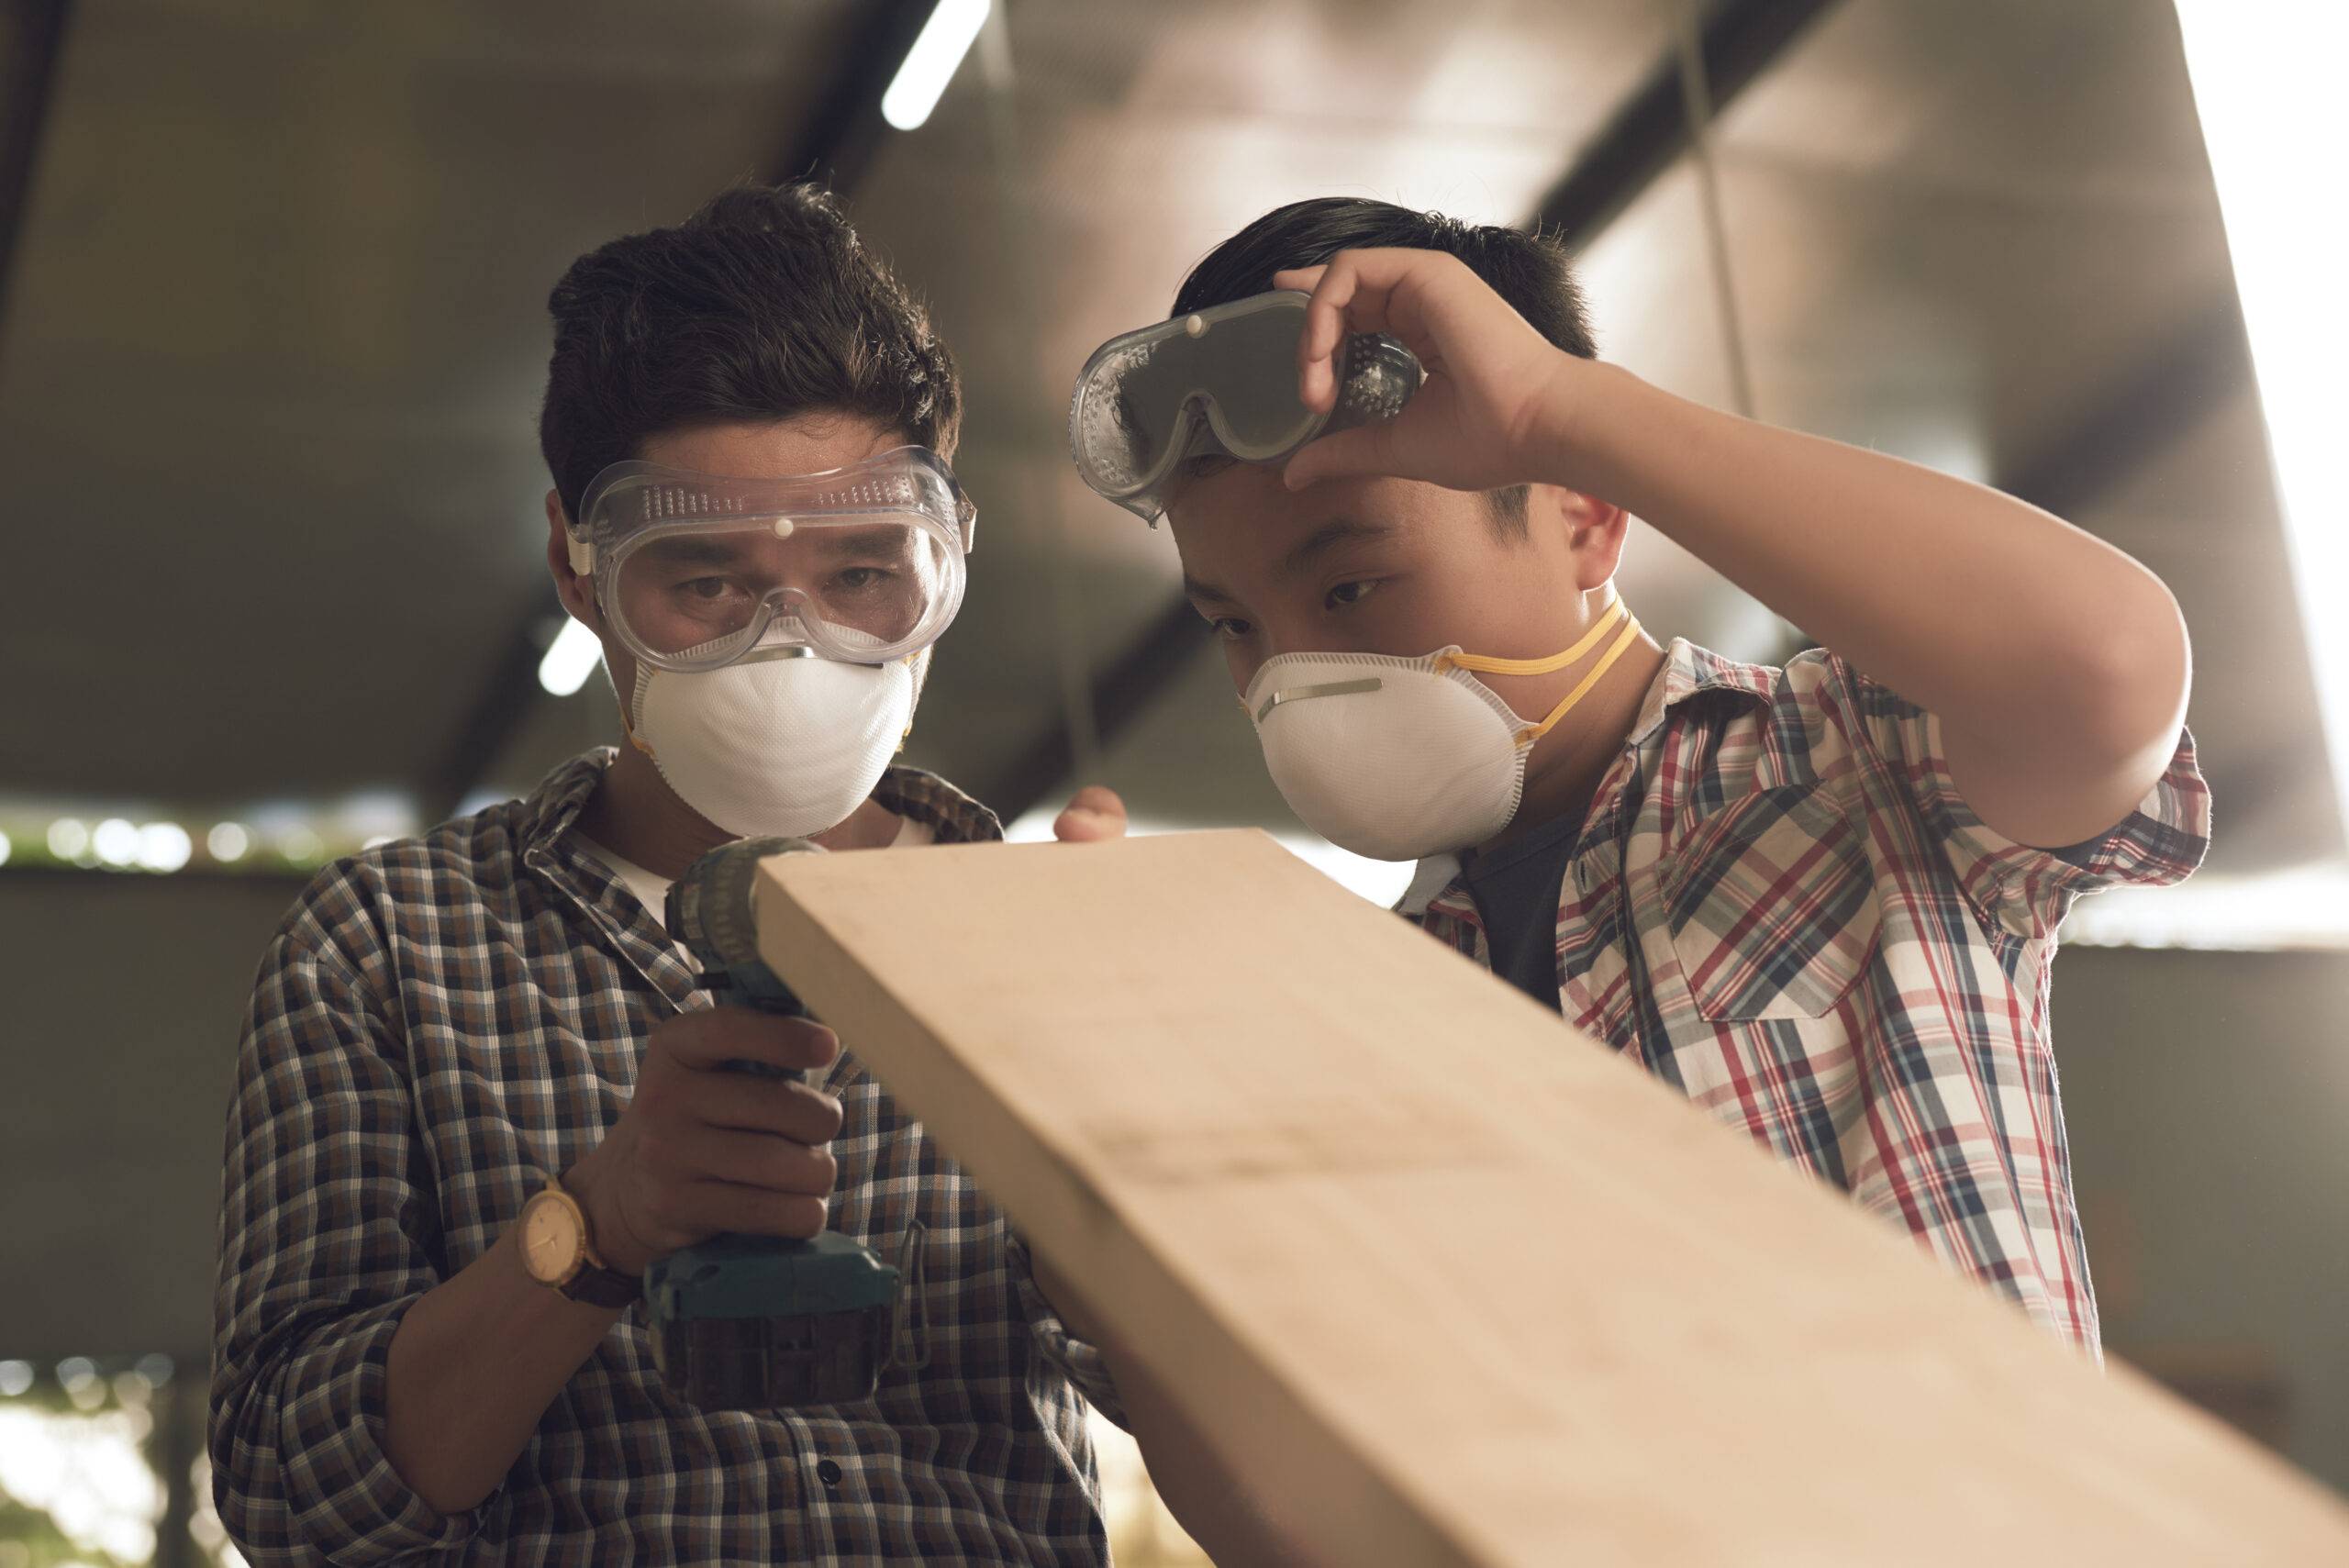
{"x":1095,"y":812}
{"x":1354,"y":291}
{"x":1366,"y":449}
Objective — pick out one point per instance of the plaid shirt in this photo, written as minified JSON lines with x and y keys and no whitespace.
{"x":440,"y":1022}
{"x":1780,"y":905}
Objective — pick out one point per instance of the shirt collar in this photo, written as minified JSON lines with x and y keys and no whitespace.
{"x":923,"y":796}
{"x":1690,"y":674}
{"x":552,"y":807}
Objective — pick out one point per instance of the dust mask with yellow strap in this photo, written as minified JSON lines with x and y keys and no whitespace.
{"x":1397,"y":758}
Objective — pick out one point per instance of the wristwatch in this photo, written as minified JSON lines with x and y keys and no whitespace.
{"x":558,"y":1252}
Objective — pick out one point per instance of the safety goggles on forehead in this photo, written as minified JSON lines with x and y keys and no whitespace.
{"x":1219,"y":381}
{"x":863,"y":565}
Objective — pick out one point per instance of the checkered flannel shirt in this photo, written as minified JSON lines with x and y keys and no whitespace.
{"x":439,"y":1024}
{"x":1780,"y":905}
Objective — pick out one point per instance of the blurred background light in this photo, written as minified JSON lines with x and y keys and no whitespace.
{"x":164,"y":846}
{"x":115,"y":841}
{"x":2266,"y":76}
{"x":570,"y":659}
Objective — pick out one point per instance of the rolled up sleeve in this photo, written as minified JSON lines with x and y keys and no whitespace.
{"x":327,"y":1234}
{"x":2015,"y":888}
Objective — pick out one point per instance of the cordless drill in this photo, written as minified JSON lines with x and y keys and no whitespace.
{"x":752,"y":1322}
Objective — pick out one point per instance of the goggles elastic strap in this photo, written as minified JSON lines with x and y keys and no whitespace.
{"x":1532,"y":732}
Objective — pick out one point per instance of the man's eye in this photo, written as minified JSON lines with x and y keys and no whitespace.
{"x":705,"y":587}
{"x":862,"y":576}
{"x":1349,"y":593}
{"x":1231,"y":627}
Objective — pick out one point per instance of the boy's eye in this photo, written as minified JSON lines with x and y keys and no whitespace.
{"x":1353,"y":593}
{"x":1229,"y":626}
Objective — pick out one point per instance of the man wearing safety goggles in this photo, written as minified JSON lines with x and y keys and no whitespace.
{"x":748,"y":424}
{"x":779,"y":627}
{"x":1822,"y":898}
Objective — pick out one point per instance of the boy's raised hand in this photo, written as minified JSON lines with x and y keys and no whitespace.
{"x":1493,"y":386}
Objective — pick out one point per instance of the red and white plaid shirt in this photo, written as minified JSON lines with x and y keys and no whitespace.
{"x":1780,"y":905}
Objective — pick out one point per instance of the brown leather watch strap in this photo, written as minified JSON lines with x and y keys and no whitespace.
{"x":602,"y":1287}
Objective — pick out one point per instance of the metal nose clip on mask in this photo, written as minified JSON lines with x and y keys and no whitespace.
{"x":1396,"y":758}
{"x":1218,"y":381}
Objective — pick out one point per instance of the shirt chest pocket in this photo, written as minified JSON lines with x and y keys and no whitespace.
{"x":1772,"y":907}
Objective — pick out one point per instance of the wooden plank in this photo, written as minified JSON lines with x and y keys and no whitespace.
{"x":1457,"y":1283}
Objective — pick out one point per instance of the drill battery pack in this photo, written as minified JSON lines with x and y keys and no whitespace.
{"x":748,"y":1323}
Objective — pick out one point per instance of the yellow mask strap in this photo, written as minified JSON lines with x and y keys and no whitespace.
{"x":1605,"y":623}
{"x":1486,"y":666}
{"x":1532,"y":732}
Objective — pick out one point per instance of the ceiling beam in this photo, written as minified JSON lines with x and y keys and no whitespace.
{"x":2159,"y":400}
{"x":32,"y":38}
{"x":1741,"y":39}
{"x":833,"y":145}
{"x":497,"y":711}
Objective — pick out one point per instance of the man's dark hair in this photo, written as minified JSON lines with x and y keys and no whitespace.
{"x":760,"y":306}
{"x":1531,"y":272}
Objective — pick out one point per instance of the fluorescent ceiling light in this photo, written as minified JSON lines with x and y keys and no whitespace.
{"x":570,"y":659}
{"x":929,"y":64}
{"x":2302,"y":910}
{"x":2265,"y":76}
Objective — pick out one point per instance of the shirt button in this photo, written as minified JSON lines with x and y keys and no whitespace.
{"x":828,"y":1474}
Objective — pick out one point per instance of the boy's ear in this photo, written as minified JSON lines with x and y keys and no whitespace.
{"x":1593,"y":530}
{"x":577,"y":593}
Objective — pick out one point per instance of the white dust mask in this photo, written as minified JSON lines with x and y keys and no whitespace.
{"x":780,"y":743}
{"x":1396,"y":758}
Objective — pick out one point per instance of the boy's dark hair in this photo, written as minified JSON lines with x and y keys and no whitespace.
{"x":1531,"y":272}
{"x":760,"y":306}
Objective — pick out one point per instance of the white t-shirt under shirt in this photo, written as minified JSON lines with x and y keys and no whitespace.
{"x":651,"y":889}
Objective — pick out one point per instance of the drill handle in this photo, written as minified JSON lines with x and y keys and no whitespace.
{"x":763,"y":992}
{"x":764,"y":1069}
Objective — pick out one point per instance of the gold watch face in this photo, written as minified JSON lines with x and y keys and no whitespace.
{"x":550,"y":1238}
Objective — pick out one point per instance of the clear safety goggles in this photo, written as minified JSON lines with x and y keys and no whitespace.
{"x":863,"y":565}
{"x":1218,"y":381}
